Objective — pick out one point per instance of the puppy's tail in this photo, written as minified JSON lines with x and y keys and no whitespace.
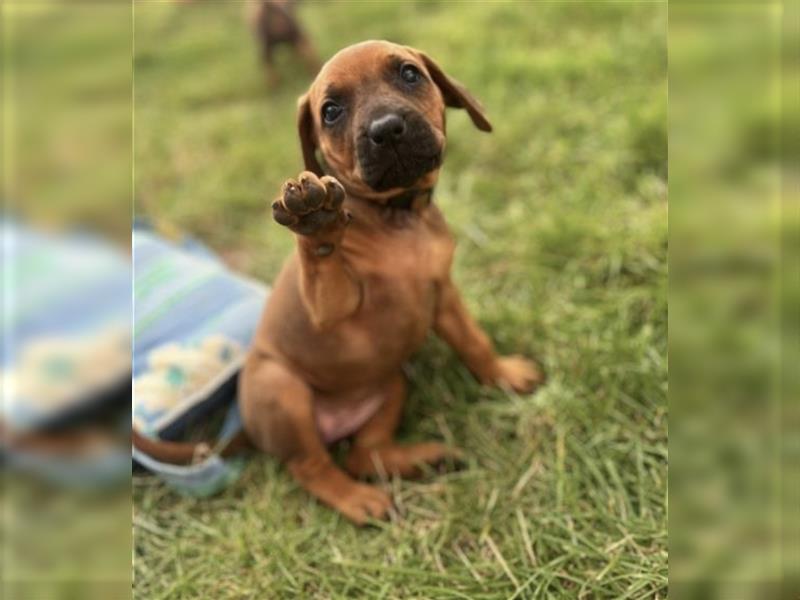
{"x":186,"y":453}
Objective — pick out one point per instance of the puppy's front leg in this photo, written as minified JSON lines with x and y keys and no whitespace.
{"x":455,"y":326}
{"x":312,"y":208}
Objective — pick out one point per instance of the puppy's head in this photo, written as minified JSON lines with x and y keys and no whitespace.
{"x":375,"y":113}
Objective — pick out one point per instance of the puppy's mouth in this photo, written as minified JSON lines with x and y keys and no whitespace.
{"x":398,"y":161}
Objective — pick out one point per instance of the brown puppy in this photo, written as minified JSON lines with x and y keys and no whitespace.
{"x":369,"y":280}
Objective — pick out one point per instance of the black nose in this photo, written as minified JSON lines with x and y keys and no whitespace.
{"x":388,"y":128}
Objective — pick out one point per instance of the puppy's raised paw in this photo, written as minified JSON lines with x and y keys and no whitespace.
{"x":310,"y":205}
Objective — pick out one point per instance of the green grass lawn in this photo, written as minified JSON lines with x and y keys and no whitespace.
{"x":561,"y":218}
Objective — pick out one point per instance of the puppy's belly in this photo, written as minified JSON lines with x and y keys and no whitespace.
{"x":337,"y":420}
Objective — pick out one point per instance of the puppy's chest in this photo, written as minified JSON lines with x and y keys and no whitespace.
{"x":400,"y":268}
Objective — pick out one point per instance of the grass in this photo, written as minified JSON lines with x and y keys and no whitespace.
{"x":560,"y":215}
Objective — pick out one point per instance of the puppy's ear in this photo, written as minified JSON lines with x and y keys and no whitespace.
{"x":308,"y":138}
{"x":455,"y":94}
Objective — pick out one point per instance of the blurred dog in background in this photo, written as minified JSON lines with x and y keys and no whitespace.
{"x":274,"y":23}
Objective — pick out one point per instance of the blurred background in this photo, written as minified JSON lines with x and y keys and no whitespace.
{"x":66,"y":283}
{"x":734,"y":300}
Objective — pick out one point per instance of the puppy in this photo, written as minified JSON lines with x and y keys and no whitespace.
{"x":369,"y":280}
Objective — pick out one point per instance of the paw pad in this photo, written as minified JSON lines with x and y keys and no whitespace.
{"x":310,"y":204}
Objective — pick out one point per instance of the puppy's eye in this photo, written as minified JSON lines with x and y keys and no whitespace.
{"x":330,"y":112}
{"x":410,"y":73}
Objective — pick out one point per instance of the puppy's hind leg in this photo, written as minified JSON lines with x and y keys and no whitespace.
{"x":278,"y":414}
{"x":374,"y":451}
